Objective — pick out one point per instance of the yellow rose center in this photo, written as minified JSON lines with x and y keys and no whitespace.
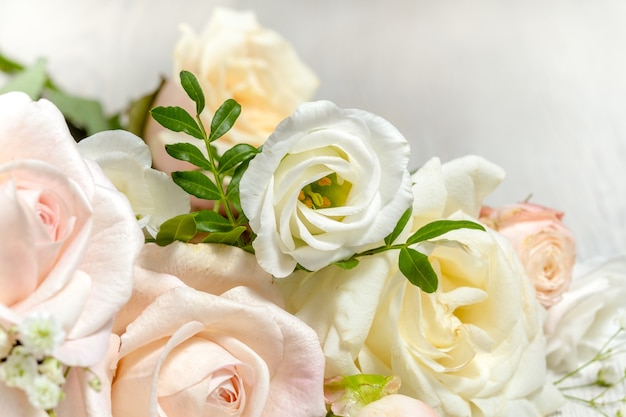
{"x":329,"y":191}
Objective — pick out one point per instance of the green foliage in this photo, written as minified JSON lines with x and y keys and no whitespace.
{"x":177,"y":119}
{"x":224,"y":119}
{"x":192,"y":88}
{"x":188,"y":153}
{"x":416,"y":267}
{"x":84,"y":116}
{"x":217,"y":177}
{"x":439,"y":227}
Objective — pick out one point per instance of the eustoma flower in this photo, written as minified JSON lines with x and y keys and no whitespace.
{"x":544,"y":244}
{"x":329,"y":183}
{"x":69,"y":241}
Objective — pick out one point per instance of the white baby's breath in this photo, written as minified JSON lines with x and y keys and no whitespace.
{"x":608,"y":376}
{"x":19,"y":369}
{"x":53,"y":369}
{"x":44,"y":393}
{"x":40,"y":333}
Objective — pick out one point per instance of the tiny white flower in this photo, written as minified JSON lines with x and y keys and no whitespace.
{"x":608,"y":376}
{"x":40,"y":334}
{"x":19,"y":369}
{"x":44,"y":393}
{"x":52,"y":368}
{"x":6,"y":343}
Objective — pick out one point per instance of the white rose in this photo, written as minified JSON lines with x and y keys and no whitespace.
{"x":578,"y":325}
{"x":235,"y":57}
{"x":328,"y":183}
{"x":126,"y":161}
{"x":474,"y":347}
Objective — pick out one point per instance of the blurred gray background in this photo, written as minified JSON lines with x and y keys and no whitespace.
{"x":538,"y":87}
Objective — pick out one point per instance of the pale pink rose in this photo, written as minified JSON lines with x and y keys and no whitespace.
{"x":69,"y":238}
{"x":188,"y":352}
{"x":396,"y":405}
{"x":544,"y":244}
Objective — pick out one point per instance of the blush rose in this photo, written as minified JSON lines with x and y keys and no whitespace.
{"x":544,"y":244}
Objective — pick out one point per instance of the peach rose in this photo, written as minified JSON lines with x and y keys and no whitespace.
{"x":544,"y":244}
{"x":69,"y":242}
{"x":189,"y":352}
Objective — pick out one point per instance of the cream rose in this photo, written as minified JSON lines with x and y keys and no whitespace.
{"x":69,"y":239}
{"x":473,"y":347}
{"x":188,"y":352}
{"x":127,"y":162}
{"x":234,"y":58}
{"x":544,"y":244}
{"x":328,"y":183}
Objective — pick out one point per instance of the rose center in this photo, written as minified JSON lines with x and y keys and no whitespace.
{"x":329,"y":191}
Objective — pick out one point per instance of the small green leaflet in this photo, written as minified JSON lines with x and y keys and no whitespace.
{"x":439,"y":227}
{"x":404,"y":219}
{"x":178,"y":120}
{"x":224,"y":119}
{"x":84,"y":113}
{"x":227,"y":238}
{"x":31,"y":81}
{"x":347,"y":263}
{"x":234,"y":156}
{"x":417,"y":269}
{"x":182,"y":228}
{"x":189,"y":153}
{"x":192,"y":88}
{"x":210,"y":221}
{"x":139,"y":110}
{"x":196,"y":184}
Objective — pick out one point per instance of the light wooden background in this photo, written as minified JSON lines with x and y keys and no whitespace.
{"x":537,"y":86}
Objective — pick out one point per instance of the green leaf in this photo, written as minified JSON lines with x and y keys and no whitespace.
{"x":224,"y":119}
{"x":139,"y":110}
{"x":178,"y":120}
{"x":196,"y":184}
{"x":439,"y":227}
{"x":210,"y":221}
{"x":236,"y":155}
{"x":232,"y":191}
{"x":404,"y":219}
{"x":30,"y":81}
{"x":189,"y":153}
{"x":9,"y":66}
{"x":81,"y":112}
{"x":417,"y":269}
{"x":347,"y":263}
{"x":227,"y":238}
{"x":192,"y":88}
{"x":181,"y":228}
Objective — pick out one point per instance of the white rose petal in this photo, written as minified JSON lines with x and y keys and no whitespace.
{"x":126,"y":161}
{"x":578,"y":325}
{"x":363,"y":160}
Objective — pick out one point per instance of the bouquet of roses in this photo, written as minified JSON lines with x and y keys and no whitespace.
{"x":239,"y":251}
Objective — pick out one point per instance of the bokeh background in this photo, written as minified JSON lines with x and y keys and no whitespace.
{"x":538,"y":87}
